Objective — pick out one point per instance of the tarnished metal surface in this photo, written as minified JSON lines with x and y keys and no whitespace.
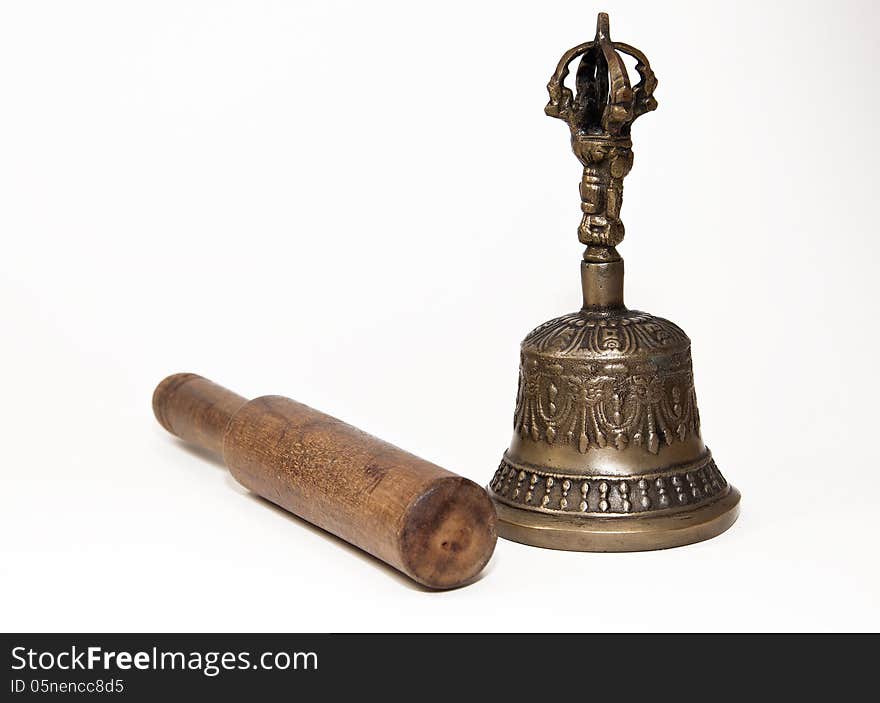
{"x":607,"y":453}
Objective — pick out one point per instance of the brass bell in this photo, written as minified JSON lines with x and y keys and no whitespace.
{"x":607,"y":453}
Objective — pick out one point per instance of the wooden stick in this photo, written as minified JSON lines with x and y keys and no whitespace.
{"x":433,"y":525}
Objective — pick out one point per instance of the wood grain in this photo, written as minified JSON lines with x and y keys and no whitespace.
{"x":433,"y":525}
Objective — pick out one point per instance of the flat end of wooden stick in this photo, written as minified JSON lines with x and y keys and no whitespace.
{"x":449,"y":534}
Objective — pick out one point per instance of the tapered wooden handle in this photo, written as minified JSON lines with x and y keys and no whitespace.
{"x":195,"y":409}
{"x":433,"y":525}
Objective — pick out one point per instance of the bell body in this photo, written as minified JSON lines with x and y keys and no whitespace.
{"x":607,"y":453}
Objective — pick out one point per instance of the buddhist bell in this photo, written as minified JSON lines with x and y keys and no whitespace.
{"x":607,"y":453}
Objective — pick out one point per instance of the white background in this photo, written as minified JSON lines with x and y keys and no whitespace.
{"x":362,"y":206}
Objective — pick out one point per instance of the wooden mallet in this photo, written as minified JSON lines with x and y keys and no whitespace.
{"x":433,"y":525}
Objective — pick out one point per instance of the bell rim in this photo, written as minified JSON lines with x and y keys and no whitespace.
{"x":619,"y":534}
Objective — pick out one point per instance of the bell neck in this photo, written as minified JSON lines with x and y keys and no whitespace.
{"x":602,"y":283}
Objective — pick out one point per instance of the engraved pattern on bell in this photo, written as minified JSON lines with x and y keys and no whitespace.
{"x":606,"y":424}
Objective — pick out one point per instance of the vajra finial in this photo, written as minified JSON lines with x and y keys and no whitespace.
{"x":599,"y":115}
